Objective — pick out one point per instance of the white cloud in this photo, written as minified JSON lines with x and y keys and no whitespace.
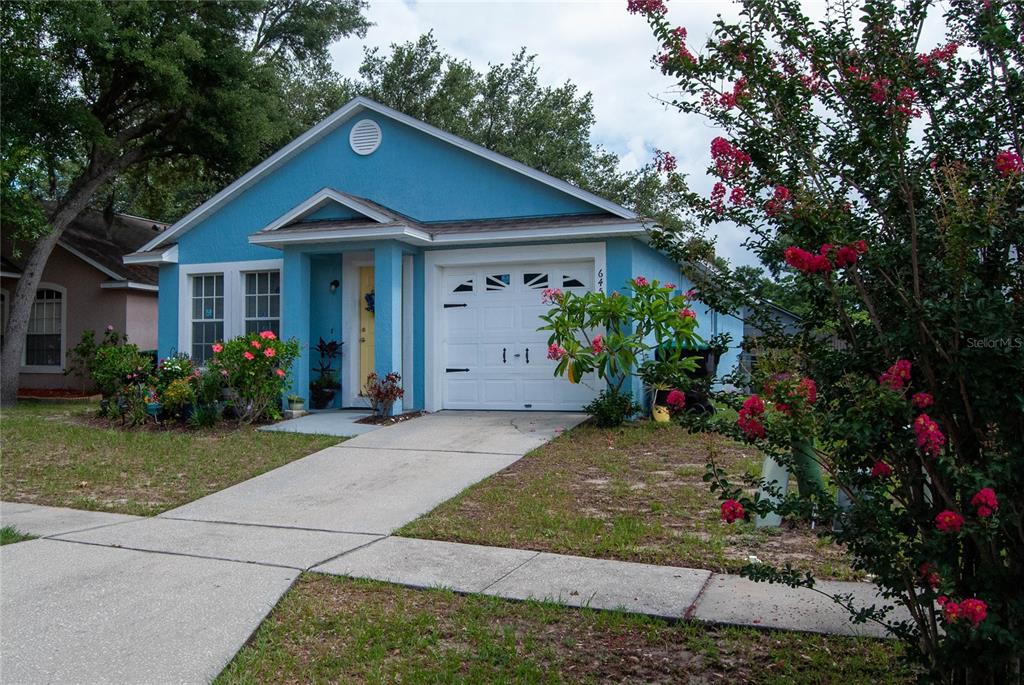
{"x":597,"y":45}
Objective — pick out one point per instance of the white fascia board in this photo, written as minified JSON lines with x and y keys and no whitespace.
{"x":340,"y":116}
{"x":320,"y":198}
{"x":91,"y":262}
{"x":9,"y":274}
{"x":406,"y":234}
{"x":526,"y":234}
{"x":153,"y":257}
{"x":130,"y":285}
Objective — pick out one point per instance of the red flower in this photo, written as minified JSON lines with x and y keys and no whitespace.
{"x":216,"y":347}
{"x":738,"y":196}
{"x":732,"y":510}
{"x":249,"y":355}
{"x":640,"y":282}
{"x":687,"y":313}
{"x":974,"y":610}
{"x":1008,"y":162}
{"x":256,"y":344}
{"x":896,"y":376}
{"x":749,"y":418}
{"x":717,"y":197}
{"x":646,"y":7}
{"x":950,"y":610}
{"x":269,"y":352}
{"x":598,"y":344}
{"x":729,"y":159}
{"x":881,"y":470}
{"x":846,"y":256}
{"x":922,"y":400}
{"x":664,"y":161}
{"x":555,"y":352}
{"x":949,"y":521}
{"x":669,"y":286}
{"x":550,"y":295}
{"x":929,"y":575}
{"x":810,"y":389}
{"x":676,"y":400}
{"x":268,"y":335}
{"x":929,"y":438}
{"x":986,"y":502}
{"x":280,"y":372}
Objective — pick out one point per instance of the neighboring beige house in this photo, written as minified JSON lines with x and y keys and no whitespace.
{"x":85,"y":286}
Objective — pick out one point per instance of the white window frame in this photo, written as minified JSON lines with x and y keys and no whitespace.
{"x":280,"y":301}
{"x":42,"y":368}
{"x":234,"y":295}
{"x":192,"y":320}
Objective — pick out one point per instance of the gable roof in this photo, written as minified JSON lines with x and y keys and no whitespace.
{"x":346,"y":112}
{"x":101,"y":241}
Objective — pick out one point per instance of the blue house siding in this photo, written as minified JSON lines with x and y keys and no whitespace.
{"x":413,"y":174}
{"x":167,"y":311}
{"x":326,"y":306}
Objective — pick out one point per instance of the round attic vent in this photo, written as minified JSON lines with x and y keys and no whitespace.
{"x":364,"y":136}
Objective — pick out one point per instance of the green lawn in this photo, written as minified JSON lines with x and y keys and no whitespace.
{"x":329,"y":629}
{"x":62,"y":455}
{"x":635,"y":493}
{"x":9,"y":535}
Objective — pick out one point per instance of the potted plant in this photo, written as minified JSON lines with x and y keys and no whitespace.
{"x":661,"y":377}
{"x":326,"y":385}
{"x":295,"y":402}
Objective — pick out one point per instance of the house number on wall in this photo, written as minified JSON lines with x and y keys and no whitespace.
{"x":600,"y":280}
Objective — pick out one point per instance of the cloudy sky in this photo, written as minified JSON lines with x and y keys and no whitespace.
{"x":597,"y":45}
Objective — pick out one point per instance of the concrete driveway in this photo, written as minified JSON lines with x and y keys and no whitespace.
{"x":107,"y":598}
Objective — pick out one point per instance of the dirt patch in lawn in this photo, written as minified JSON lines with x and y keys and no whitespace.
{"x":635,"y":493}
{"x":339,"y":630}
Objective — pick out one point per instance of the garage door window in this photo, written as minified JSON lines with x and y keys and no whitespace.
{"x":465,"y":286}
{"x":535,"y":281}
{"x":498,"y":282}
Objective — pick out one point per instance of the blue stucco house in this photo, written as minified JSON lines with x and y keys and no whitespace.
{"x":424,"y":253}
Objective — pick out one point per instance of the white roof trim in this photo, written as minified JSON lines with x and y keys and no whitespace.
{"x":415,"y":236}
{"x":168,"y":255}
{"x":318,"y":200}
{"x":91,"y":262}
{"x":341,"y":115}
{"x":130,"y":285}
{"x":9,"y":274}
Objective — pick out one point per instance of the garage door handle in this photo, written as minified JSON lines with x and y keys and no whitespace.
{"x":456,"y":370}
{"x":527,"y":355}
{"x":503,"y":355}
{"x":461,"y":304}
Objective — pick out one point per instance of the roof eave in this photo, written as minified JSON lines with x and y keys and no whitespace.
{"x":168,"y":255}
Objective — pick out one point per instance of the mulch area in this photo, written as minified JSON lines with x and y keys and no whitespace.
{"x":55,"y":394}
{"x":389,"y":420}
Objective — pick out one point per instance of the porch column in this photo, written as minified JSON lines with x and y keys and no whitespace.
{"x":387,"y":285}
{"x":295,"y":283}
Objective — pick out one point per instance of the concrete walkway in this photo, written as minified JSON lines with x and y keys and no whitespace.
{"x":121,"y":599}
{"x":113,"y":598}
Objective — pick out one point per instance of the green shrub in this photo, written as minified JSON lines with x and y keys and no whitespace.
{"x":171,"y":369}
{"x":177,"y":397}
{"x":117,"y":366}
{"x":255,"y":368}
{"x":611,"y":408}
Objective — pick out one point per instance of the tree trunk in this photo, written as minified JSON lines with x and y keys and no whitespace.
{"x":66,"y":211}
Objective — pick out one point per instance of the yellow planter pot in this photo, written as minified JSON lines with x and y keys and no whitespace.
{"x":660,"y":414}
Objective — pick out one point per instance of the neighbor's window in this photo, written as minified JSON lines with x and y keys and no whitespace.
{"x":43,"y":343}
{"x":207,"y":315}
{"x":263,"y":302}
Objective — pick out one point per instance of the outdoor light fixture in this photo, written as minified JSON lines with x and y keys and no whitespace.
{"x":334,"y":285}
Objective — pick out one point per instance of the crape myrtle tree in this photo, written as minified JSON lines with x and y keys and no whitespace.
{"x":883,"y":173}
{"x":96,"y":90}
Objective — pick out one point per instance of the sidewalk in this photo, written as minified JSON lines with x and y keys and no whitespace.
{"x":664,"y":591}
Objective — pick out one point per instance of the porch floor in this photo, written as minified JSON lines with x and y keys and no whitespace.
{"x":340,"y":422}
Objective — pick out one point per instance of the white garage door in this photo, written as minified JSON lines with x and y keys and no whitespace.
{"x":493,"y":356}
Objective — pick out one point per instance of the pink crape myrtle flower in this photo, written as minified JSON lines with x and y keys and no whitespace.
{"x":664,"y":161}
{"x":949,"y":521}
{"x":732,"y":511}
{"x":929,"y":437}
{"x":922,"y":400}
{"x":929,"y":575}
{"x":985,"y":502}
{"x":974,"y":610}
{"x":896,"y":376}
{"x":1009,"y":162}
{"x":646,"y":7}
{"x":750,"y":417}
{"x":881,"y":470}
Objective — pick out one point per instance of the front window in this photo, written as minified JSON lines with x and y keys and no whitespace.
{"x":263,"y":301}
{"x":207,"y":315}
{"x":43,"y":343}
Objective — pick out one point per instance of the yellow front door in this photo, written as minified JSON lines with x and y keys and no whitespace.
{"x":366,"y":357}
